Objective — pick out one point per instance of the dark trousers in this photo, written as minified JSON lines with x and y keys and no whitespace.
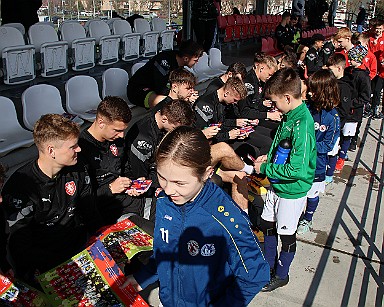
{"x":204,"y":32}
{"x":377,"y":86}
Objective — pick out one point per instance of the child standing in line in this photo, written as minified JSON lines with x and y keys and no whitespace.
{"x":336,"y":63}
{"x":205,"y":252}
{"x":324,"y":97}
{"x":287,"y":197}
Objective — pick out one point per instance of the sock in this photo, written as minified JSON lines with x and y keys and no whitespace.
{"x":312,"y":204}
{"x":344,"y":147}
{"x":331,"y":165}
{"x":248,"y":169}
{"x":270,"y":249}
{"x":284,"y":263}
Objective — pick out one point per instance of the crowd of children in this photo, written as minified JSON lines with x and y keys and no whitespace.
{"x":288,"y":122}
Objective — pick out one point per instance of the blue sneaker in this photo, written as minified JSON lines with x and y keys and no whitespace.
{"x":328,"y":179}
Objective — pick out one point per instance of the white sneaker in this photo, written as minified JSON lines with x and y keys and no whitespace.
{"x":304,"y":226}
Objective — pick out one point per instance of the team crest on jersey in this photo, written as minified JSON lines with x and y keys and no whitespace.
{"x":323,"y":128}
{"x":70,"y":188}
{"x":193,"y":248}
{"x":317,"y":126}
{"x":114,"y":150}
{"x":208,"y":250}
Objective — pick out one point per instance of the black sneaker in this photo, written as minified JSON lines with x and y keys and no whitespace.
{"x":276,"y":282}
{"x":352,"y":147}
{"x":378,"y":116}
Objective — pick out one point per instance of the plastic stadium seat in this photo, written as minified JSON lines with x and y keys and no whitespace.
{"x":111,"y":21}
{"x":166,"y":36}
{"x":225,"y":30}
{"x":203,"y":71}
{"x":115,"y":81}
{"x":252,"y":26}
{"x":246,"y":25}
{"x":130,"y":42}
{"x":136,"y":67}
{"x":41,"y":99}
{"x":259,"y":25}
{"x":81,"y":48}
{"x":19,"y":26}
{"x":108,"y":44}
{"x":215,"y":62}
{"x":53,"y":53}
{"x":235,"y":30}
{"x":12,"y":135}
{"x":149,"y":38}
{"x":17,"y":58}
{"x":82,"y":97}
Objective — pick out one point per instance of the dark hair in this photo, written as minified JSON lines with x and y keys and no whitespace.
{"x":190,"y":48}
{"x":113,"y":108}
{"x":363,"y":37}
{"x":179,"y":113}
{"x":355,"y":39}
{"x":325,"y":90}
{"x":188,"y":147}
{"x":284,"y":81}
{"x":289,"y":59}
{"x":286,"y":14}
{"x":237,"y":68}
{"x":182,"y":76}
{"x":54,"y":127}
{"x":337,"y":59}
{"x":237,"y":85}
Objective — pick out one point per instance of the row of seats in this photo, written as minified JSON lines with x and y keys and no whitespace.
{"x":239,"y":27}
{"x":327,"y":32}
{"x":81,"y":101}
{"x":98,"y":42}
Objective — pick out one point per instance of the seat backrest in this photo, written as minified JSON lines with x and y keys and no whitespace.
{"x":221,"y":22}
{"x":141,"y":25}
{"x":115,"y":81}
{"x":215,"y":57}
{"x":158,"y":24}
{"x":82,"y":94}
{"x":19,"y":26}
{"x":252,"y":19}
{"x":10,"y":37}
{"x":111,"y":21}
{"x":121,"y":27}
{"x":136,"y":67}
{"x":71,"y":31}
{"x":97,"y":29}
{"x":38,"y":100}
{"x":12,"y":135}
{"x":231,"y":20}
{"x":239,"y":19}
{"x":41,"y":33}
{"x":202,"y":64}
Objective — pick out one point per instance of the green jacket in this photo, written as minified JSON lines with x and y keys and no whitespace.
{"x":296,"y":176}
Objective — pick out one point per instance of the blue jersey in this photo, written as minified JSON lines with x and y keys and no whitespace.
{"x":327,"y":131}
{"x":205,"y":253}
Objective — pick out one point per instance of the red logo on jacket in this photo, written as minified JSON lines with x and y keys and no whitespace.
{"x":114,"y":150}
{"x":70,"y":188}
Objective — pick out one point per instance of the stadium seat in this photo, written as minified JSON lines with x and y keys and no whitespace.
{"x":12,"y":135}
{"x":203,"y":71}
{"x":166,"y":36}
{"x":136,"y":67}
{"x":246,"y":26}
{"x":52,"y":53}
{"x":17,"y":58}
{"x":19,"y":26}
{"x":225,"y":30}
{"x":41,"y":99}
{"x":130,"y":42}
{"x":149,"y":38}
{"x":252,"y":26}
{"x":215,"y":60}
{"x":235,"y":30}
{"x":81,"y":48}
{"x":108,"y":44}
{"x":115,"y":81}
{"x":82,"y":97}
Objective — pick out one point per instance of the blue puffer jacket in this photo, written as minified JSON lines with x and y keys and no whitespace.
{"x":205,"y":253}
{"x":327,"y":131}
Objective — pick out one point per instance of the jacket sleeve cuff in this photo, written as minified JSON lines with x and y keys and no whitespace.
{"x":263,"y":168}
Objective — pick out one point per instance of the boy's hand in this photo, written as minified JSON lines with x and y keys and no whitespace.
{"x":257,"y":166}
{"x":241,"y":122}
{"x":267,"y":103}
{"x":131,"y":280}
{"x":194,"y":97}
{"x":276,"y":116}
{"x":234,"y":133}
{"x":210,"y":132}
{"x":262,"y":158}
{"x":120,"y":185}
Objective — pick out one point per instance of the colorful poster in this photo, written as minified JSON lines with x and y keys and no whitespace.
{"x":18,"y":294}
{"x":124,"y":240}
{"x":91,"y":278}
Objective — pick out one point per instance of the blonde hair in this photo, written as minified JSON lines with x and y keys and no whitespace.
{"x":343,"y":33}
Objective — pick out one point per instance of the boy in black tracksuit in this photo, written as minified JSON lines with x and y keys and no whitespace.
{"x":104,"y":152}
{"x":47,"y":204}
{"x":314,"y":59}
